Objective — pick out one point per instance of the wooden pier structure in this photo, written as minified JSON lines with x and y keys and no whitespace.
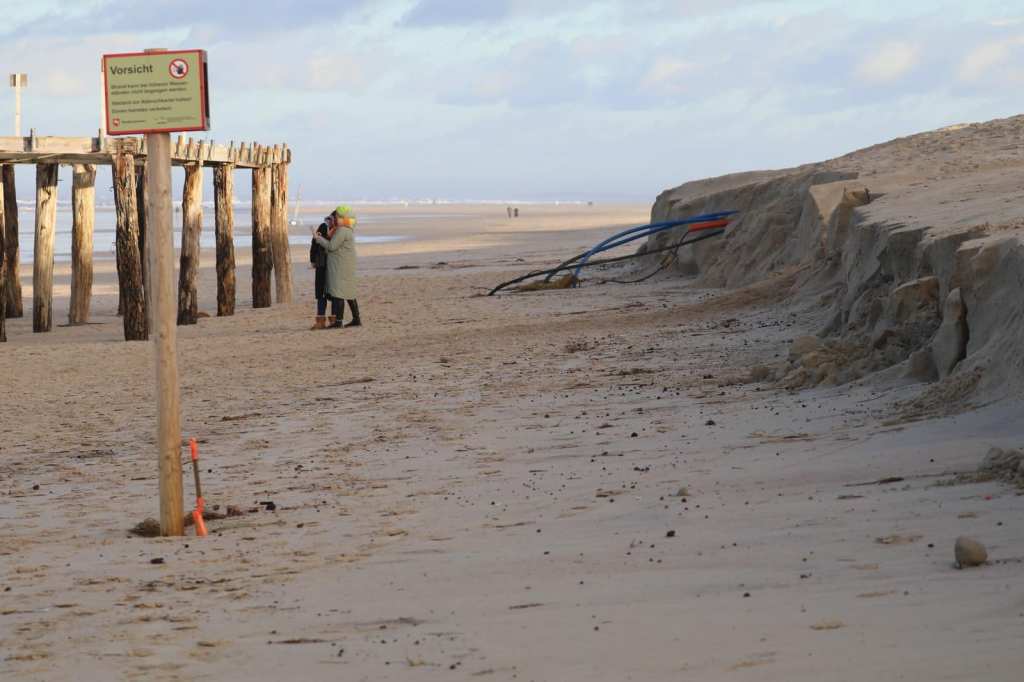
{"x":127,"y":158}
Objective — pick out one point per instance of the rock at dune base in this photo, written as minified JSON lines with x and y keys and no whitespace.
{"x":950,"y":343}
{"x":920,"y":366}
{"x":804,"y":345}
{"x":969,"y":552}
{"x":1002,"y":463}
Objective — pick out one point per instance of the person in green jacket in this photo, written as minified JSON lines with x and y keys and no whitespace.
{"x":341,"y":267}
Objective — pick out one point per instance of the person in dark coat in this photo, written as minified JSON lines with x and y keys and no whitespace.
{"x":318,"y":259}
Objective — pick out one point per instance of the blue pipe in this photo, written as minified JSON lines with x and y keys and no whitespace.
{"x":645,"y":230}
{"x":634,"y":233}
{"x":669,"y":224}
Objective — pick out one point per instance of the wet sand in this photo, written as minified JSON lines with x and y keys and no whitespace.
{"x":567,"y":485}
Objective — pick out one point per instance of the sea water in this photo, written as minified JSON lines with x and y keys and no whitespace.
{"x":105,"y":233}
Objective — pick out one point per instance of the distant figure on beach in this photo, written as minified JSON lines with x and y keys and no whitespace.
{"x":515,"y":212}
{"x":341,"y":267}
{"x":318,"y":260}
{"x":508,"y":209}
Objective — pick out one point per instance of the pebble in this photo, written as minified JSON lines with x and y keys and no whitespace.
{"x":150,"y":528}
{"x":969,"y":552}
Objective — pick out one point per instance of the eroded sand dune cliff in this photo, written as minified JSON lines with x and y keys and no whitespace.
{"x":911,"y":252}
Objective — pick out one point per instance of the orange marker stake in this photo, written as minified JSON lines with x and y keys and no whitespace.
{"x":197,"y":515}
{"x":197,"y":518}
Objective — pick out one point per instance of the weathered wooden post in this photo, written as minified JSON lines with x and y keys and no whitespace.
{"x":161,"y":267}
{"x":223,"y":195}
{"x":13,"y":301}
{"x":262,"y":256}
{"x":3,"y":272}
{"x":83,"y":206}
{"x":117,"y":211}
{"x":191,"y":225}
{"x":279,"y":228}
{"x":129,"y":261}
{"x":42,"y":264}
{"x":141,"y":198}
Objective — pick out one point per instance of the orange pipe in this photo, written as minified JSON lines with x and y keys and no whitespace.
{"x":197,"y":518}
{"x":197,"y":515}
{"x":709,"y":225}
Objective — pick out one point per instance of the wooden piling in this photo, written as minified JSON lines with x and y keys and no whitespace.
{"x":191,"y":226}
{"x":141,"y":198}
{"x":42,"y":265}
{"x":262,"y":249}
{"x":3,"y":271}
{"x":279,"y":230}
{"x":129,"y":260}
{"x":13,"y":300}
{"x":223,"y":195}
{"x":83,"y":203}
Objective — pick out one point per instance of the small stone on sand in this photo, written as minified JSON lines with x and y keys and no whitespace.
{"x":969,"y":552}
{"x":150,"y":528}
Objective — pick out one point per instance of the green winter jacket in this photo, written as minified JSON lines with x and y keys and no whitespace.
{"x":341,"y":263}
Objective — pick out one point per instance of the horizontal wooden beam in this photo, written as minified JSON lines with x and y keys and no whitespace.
{"x":100,"y":150}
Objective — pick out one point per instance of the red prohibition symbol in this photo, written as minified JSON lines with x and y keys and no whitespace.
{"x":178,"y":68}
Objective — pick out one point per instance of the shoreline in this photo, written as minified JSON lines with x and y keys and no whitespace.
{"x":452,"y":232}
{"x":373,"y":215}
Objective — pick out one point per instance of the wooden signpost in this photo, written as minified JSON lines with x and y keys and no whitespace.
{"x":157,"y":92}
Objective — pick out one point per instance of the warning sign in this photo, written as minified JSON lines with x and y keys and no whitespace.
{"x":156,"y":92}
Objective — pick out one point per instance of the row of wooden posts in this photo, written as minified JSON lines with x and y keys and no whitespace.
{"x":270,"y":251}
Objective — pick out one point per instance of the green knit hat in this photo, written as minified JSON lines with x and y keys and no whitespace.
{"x":342,"y":210}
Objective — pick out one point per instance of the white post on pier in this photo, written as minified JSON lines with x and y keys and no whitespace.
{"x":18,"y":81}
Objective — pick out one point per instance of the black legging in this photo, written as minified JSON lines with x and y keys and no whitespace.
{"x":338,"y":308}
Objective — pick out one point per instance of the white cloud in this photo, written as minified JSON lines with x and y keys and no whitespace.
{"x":668,"y":76}
{"x":981,"y":61}
{"x":332,"y":71}
{"x":891,"y":62}
{"x":63,"y":83}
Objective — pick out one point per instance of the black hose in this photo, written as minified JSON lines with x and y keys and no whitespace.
{"x":567,"y":265}
{"x":667,"y":263}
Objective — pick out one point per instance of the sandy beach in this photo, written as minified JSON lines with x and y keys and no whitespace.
{"x":688,"y":341}
{"x":565,"y":485}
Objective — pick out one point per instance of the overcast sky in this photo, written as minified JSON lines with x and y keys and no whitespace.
{"x":536,"y":99}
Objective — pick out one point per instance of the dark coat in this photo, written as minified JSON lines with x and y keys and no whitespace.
{"x":318,"y":257}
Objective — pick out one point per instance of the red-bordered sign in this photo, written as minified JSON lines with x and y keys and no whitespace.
{"x":138,"y":78}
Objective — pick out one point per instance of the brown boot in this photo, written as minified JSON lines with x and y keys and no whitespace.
{"x":319,"y":323}
{"x":330,"y":322}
